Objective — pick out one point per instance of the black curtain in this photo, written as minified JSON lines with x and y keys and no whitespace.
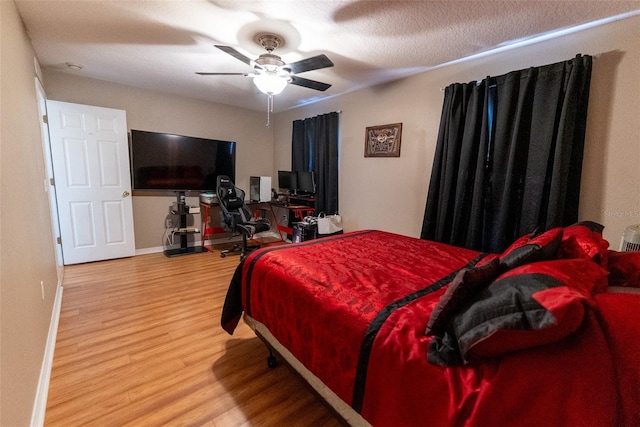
{"x":314,"y":147}
{"x":509,"y":156}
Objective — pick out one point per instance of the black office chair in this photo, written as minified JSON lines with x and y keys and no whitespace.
{"x":237,"y":216}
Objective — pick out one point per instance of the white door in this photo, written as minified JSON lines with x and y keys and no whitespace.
{"x":90,"y":152}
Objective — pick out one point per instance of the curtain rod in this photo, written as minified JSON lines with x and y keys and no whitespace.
{"x":478,"y":82}
{"x":443,"y":88}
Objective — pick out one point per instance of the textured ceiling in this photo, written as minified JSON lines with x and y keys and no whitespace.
{"x":161,"y":44}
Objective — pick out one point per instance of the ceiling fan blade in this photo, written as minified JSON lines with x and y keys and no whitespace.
{"x":311,"y":84}
{"x":224,"y":74}
{"x":313,"y":63}
{"x":231,"y":51}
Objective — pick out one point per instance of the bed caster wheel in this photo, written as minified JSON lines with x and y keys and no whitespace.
{"x":272,"y":362}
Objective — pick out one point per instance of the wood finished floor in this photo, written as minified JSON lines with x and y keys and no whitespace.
{"x":140,"y":344}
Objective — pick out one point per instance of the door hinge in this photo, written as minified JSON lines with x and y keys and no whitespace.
{"x":45,"y":119}
{"x":52,"y":181}
{"x":59,"y":240}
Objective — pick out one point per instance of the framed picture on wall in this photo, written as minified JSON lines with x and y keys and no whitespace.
{"x":383,"y":140}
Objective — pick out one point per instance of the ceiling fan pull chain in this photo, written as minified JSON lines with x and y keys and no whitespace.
{"x":269,"y":107}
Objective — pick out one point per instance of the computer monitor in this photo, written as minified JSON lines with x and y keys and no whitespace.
{"x":287,"y":180}
{"x":306,"y":183}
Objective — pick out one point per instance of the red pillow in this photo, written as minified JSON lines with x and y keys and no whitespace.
{"x":584,"y":240}
{"x":624,"y":269}
{"x":533,"y":305}
{"x":528,"y":249}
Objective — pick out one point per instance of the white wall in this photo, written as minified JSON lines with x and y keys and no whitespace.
{"x":390,"y":193}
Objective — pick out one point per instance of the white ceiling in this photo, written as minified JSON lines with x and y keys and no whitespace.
{"x":161,"y":44}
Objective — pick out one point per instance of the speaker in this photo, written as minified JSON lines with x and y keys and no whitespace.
{"x":260,"y":188}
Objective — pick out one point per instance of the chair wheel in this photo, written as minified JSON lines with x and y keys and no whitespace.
{"x":222,"y":255}
{"x":272,"y":362}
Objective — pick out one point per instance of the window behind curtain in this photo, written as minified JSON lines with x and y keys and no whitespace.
{"x":509,"y":156}
{"x":314,"y":147}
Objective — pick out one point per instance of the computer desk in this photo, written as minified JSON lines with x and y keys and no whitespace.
{"x":295,"y":213}
{"x":298,"y":208}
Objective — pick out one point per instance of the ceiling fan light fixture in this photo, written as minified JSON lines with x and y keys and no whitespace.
{"x":271,"y":74}
{"x":270,"y":84}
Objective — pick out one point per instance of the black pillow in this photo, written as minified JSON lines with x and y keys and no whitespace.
{"x":533,"y":305}
{"x":464,"y":286}
{"x":527,"y":249}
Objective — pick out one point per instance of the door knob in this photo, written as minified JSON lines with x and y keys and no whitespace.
{"x":125,"y":194}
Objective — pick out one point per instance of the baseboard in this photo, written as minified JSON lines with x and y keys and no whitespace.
{"x":40,"y":404}
{"x":145,"y":251}
{"x":156,"y":249}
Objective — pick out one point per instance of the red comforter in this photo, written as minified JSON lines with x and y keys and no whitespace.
{"x":353,"y":309}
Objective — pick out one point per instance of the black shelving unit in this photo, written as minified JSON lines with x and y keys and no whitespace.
{"x":184,"y":248}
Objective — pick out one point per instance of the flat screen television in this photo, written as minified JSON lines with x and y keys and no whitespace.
{"x":161,"y":161}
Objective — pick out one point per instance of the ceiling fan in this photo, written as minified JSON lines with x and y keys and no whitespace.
{"x":271,"y":74}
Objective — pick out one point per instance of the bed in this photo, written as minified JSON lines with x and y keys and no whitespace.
{"x":397,"y":331}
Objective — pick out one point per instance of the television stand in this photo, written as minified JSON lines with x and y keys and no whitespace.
{"x":183,"y":231}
